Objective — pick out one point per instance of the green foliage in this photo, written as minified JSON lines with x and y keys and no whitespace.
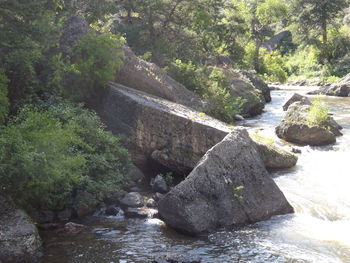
{"x":188,"y":74}
{"x":4,"y":102}
{"x":274,"y":67}
{"x":222,"y":105}
{"x":50,"y":155}
{"x":95,"y":60}
{"x":318,"y":113}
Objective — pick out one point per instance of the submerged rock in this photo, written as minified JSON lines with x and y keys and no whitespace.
{"x":229,"y":187}
{"x":295,"y":128}
{"x":19,"y":238}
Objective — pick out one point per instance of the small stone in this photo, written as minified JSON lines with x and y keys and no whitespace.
{"x":159,"y":184}
{"x":132,"y":199}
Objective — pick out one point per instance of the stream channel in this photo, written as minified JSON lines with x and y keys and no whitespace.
{"x":319,"y":232}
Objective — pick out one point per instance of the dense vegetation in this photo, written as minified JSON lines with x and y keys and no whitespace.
{"x":59,"y":149}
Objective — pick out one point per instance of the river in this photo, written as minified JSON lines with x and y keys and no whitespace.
{"x":318,"y":188}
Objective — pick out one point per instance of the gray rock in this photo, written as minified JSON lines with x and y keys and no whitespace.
{"x":240,"y":86}
{"x":339,"y":89}
{"x":296,"y":98}
{"x":259,"y":84}
{"x":147,"y":77}
{"x":294,"y":128}
{"x":239,"y":117}
{"x":229,"y":187}
{"x":74,"y":29}
{"x":19,"y":238}
{"x":276,"y":157}
{"x":173,"y":135}
{"x":159,"y":184}
{"x":136,"y":174}
{"x":132,"y":199}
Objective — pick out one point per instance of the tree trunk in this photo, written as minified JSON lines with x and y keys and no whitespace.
{"x":325,"y":54}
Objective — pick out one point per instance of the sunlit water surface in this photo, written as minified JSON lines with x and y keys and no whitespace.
{"x":318,"y":188}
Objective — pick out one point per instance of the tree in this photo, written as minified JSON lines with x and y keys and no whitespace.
{"x":260,"y":15}
{"x":318,"y":15}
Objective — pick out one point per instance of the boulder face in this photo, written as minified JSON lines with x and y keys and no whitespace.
{"x":229,"y":187}
{"x":296,"y":98}
{"x":259,"y":84}
{"x":276,"y":158}
{"x":294,"y":128}
{"x":147,"y":77}
{"x":19,"y":239}
{"x":241,"y":86}
{"x":170,"y":134}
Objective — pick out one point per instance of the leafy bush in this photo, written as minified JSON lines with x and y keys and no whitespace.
{"x":94,"y":61}
{"x":274,"y":68}
{"x":222,"y":105}
{"x":50,"y":155}
{"x":318,"y":113}
{"x":189,"y":75}
{"x":4,"y":102}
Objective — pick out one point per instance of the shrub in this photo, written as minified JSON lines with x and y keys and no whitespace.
{"x":274,"y":68}
{"x":318,"y":113}
{"x":94,"y":61}
{"x":222,"y":105}
{"x":4,"y":102}
{"x":50,"y":155}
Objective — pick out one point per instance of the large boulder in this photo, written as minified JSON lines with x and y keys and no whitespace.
{"x":19,"y":238}
{"x":241,"y":86}
{"x":259,"y":84}
{"x":141,"y":75}
{"x":159,"y":131}
{"x":295,"y":128}
{"x":229,"y":187}
{"x":296,"y":98}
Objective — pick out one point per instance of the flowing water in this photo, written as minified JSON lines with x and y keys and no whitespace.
{"x":318,"y":188}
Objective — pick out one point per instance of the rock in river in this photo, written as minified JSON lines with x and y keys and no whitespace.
{"x":295,"y":128}
{"x":229,"y":187}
